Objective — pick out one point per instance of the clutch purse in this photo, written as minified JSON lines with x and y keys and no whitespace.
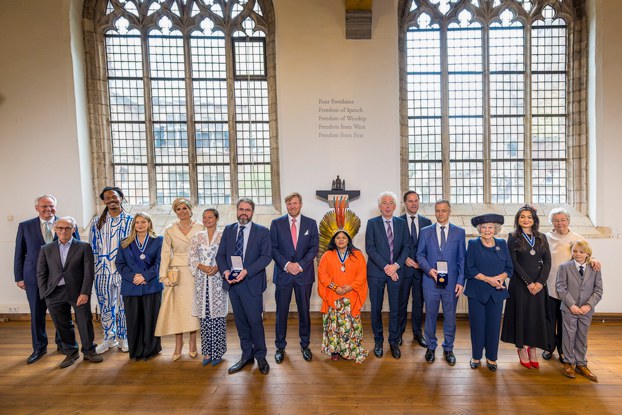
{"x":173,"y":276}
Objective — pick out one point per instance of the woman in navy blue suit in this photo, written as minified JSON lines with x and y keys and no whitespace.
{"x":488,"y":264}
{"x":138,"y":262}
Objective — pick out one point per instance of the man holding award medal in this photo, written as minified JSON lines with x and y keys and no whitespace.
{"x":441,"y":254}
{"x":243,"y":255}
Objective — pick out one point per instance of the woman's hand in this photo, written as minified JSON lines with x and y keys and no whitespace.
{"x":532,"y":288}
{"x":210,"y":271}
{"x":139,"y":279}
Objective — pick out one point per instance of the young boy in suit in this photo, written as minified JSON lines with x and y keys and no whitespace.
{"x":580,"y":288}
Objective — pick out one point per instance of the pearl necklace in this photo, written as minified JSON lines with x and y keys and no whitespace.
{"x":186,"y":227}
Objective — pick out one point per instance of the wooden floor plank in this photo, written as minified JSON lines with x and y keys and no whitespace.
{"x":378,"y":386}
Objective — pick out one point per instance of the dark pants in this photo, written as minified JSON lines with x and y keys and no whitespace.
{"x":376,"y":296}
{"x":406,"y":286}
{"x":60,"y":309}
{"x":485,"y":322}
{"x":555,"y":324}
{"x":37,"y":319}
{"x":141,"y":314}
{"x":283,"y":297}
{"x":247,"y":310}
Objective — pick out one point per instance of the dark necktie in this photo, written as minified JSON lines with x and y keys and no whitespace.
{"x":413,"y":230}
{"x":239,"y":243}
{"x":443,"y":238}
{"x":581,"y":271}
{"x":390,"y":239}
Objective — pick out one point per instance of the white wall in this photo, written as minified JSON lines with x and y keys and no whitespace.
{"x":41,"y":136}
{"x":42,"y":106}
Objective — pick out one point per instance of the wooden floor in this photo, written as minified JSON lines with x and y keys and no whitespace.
{"x":378,"y":386}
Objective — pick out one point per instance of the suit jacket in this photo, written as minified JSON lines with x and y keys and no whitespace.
{"x":377,"y":246}
{"x":422,"y":222}
{"x":256,"y":258}
{"x":574,"y":290}
{"x":129,"y":265}
{"x":428,"y":253}
{"x":78,"y":272}
{"x":283,"y":250}
{"x":28,"y":243}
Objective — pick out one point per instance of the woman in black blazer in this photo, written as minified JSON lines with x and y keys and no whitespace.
{"x":138,"y":262}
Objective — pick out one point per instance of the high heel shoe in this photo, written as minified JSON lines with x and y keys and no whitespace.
{"x":193,"y":353}
{"x":534,"y":363}
{"x":176,"y":356}
{"x":474,"y":364}
{"x":216,"y":361}
{"x":524,"y":364}
{"x":492,"y":366}
{"x":206,"y":361}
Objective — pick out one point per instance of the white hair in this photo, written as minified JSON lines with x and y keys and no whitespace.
{"x":392,"y":195}
{"x":44,"y":197}
{"x":559,"y":211}
{"x":66,"y":219}
{"x":497,"y":227}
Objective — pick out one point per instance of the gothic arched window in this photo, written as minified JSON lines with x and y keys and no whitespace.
{"x":187,"y":99}
{"x":490,"y":99}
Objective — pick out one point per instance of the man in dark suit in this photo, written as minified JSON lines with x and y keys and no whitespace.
{"x":387,"y":244}
{"x":243,"y":255}
{"x":65,"y":273}
{"x":31,"y":235}
{"x":441,"y":246}
{"x":413,"y":275}
{"x":295,"y":242}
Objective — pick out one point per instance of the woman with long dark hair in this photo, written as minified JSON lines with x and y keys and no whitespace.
{"x":524,"y":323}
{"x":342,"y":285}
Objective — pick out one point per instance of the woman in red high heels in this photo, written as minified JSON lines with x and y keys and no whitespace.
{"x":524,"y":323}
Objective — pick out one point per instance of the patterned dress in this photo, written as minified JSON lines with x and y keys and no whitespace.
{"x":210,"y":302}
{"x":343,"y":331}
{"x":105,"y":244}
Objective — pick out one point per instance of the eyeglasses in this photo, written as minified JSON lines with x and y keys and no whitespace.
{"x":63,"y":228}
{"x":560,"y":220}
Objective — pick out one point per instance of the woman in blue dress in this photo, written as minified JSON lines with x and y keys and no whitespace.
{"x":138,"y":262}
{"x":488,"y":264}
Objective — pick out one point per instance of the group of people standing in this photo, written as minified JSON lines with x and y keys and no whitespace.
{"x":149,"y":286}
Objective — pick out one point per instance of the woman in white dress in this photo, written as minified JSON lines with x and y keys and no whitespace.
{"x":210,"y":299}
{"x":175,"y":315}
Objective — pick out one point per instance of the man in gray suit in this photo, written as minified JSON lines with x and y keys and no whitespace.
{"x":580,"y":288}
{"x":65,"y":273}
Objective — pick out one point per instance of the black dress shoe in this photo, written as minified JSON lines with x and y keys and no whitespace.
{"x":429,"y":356}
{"x":400,"y":341}
{"x":562,"y":359}
{"x":264,"y":367}
{"x":546,"y":355}
{"x":378,"y":350}
{"x":36,"y":355}
{"x":93,"y":358}
{"x":239,"y":365}
{"x":420,"y":339}
{"x":474,"y":365}
{"x":279,"y":356}
{"x":395,"y":351}
{"x":451,"y":359}
{"x":59,"y":349}
{"x":70,"y":359}
{"x":306,"y":354}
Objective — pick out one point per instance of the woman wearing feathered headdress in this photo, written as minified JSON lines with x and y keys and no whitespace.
{"x":342,"y":285}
